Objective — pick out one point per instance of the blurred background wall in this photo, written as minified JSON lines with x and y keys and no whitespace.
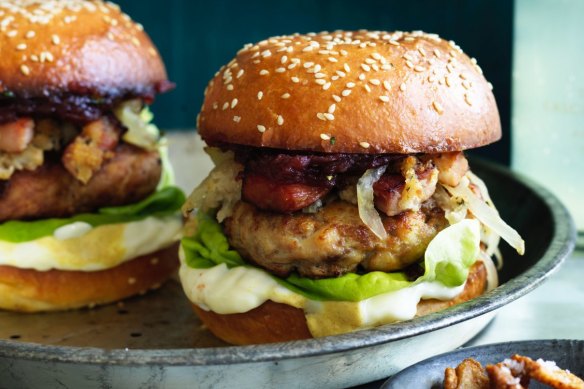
{"x":196,"y":37}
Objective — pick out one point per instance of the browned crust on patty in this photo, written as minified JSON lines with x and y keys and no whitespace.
{"x":51,"y":191}
{"x":28,"y":290}
{"x":276,"y":322}
{"x":332,"y":241}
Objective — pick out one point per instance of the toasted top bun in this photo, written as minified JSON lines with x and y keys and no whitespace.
{"x":50,"y":47}
{"x":353,"y":92}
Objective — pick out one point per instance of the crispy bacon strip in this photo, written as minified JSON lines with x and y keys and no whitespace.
{"x":285,"y":198}
{"x":15,"y":136}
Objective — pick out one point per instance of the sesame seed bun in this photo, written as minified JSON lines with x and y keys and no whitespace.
{"x":28,"y":290}
{"x":75,"y":47}
{"x":351,"y":92}
{"x":275,"y":322}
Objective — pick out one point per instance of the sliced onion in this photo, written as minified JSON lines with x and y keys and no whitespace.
{"x":367,"y":211}
{"x":487,"y":215}
{"x":492,"y":275}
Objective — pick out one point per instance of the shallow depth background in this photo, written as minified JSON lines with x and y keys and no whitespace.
{"x":196,"y":37}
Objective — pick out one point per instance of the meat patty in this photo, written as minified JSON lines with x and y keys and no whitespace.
{"x":331,"y":242}
{"x":51,"y":191}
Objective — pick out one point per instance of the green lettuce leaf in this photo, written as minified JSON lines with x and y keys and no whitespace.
{"x":447,"y":260}
{"x":166,"y":201}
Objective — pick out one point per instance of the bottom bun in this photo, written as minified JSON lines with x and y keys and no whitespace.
{"x":275,"y":322}
{"x":28,"y":290}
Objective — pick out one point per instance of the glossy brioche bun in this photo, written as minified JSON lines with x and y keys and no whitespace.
{"x":276,"y":322}
{"x":27,"y":290}
{"x":78,"y":47}
{"x":353,"y":92}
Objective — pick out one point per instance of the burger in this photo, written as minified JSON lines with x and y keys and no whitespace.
{"x":341,"y":197}
{"x":88,"y":213}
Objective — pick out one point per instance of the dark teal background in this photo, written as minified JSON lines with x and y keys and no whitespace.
{"x":196,"y":37}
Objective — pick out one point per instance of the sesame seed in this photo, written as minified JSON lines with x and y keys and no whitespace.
{"x":234,"y":103}
{"x":230,"y":87}
{"x":215,"y":105}
{"x":346,"y":92}
{"x":419,"y":68}
{"x":308,"y":64}
{"x":377,"y":56}
{"x":285,"y":96}
{"x":308,"y":48}
{"x":367,"y":88}
{"x":347,"y":68}
{"x":266,"y":53}
{"x":292,"y":65}
{"x":473,"y":61}
{"x":239,"y":73}
{"x":387,"y":85}
{"x":450,"y":68}
{"x":225,"y":106}
{"x":422,"y":51}
{"x":409,"y":64}
{"x":337,"y":98}
{"x":264,"y":72}
{"x":280,"y":70}
{"x":467,"y":99}
{"x":329,"y":116}
{"x":369,"y":61}
{"x":30,"y":34}
{"x":341,"y":73}
{"x":437,"y":107}
{"x":326,"y":86}
{"x":362,"y":77}
{"x":320,"y":81}
{"x":408,"y":57}
{"x":402,"y":87}
{"x":394,"y":42}
{"x":325,"y":137}
{"x":320,"y":75}
{"x":236,"y":119}
{"x":320,"y":115}
{"x":375,"y":81}
{"x":490,"y":85}
{"x":333,"y":59}
{"x":462,"y":75}
{"x":261,"y":128}
{"x":21,"y":46}
{"x":384,"y":98}
{"x":365,"y":67}
{"x":447,"y":80}
{"x":344,"y":52}
{"x":437,"y":53}
{"x":295,"y":80}
{"x":386,"y":67}
{"x":317,"y":68}
{"x":34,"y":58}
{"x":365,"y":145}
{"x":25,"y":70}
{"x":256,"y":54}
{"x":350,"y":85}
{"x":280,"y":120}
{"x":332,"y":108}
{"x":12,"y":33}
{"x":55,"y":39}
{"x":260,"y":95}
{"x":375,"y":67}
{"x":284,"y":59}
{"x":431,"y":78}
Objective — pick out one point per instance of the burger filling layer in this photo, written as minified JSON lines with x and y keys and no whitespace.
{"x":85,"y":193}
{"x":338,"y":232}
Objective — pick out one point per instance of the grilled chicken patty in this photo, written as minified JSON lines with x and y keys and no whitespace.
{"x":331,"y":242}
{"x":51,"y":191}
